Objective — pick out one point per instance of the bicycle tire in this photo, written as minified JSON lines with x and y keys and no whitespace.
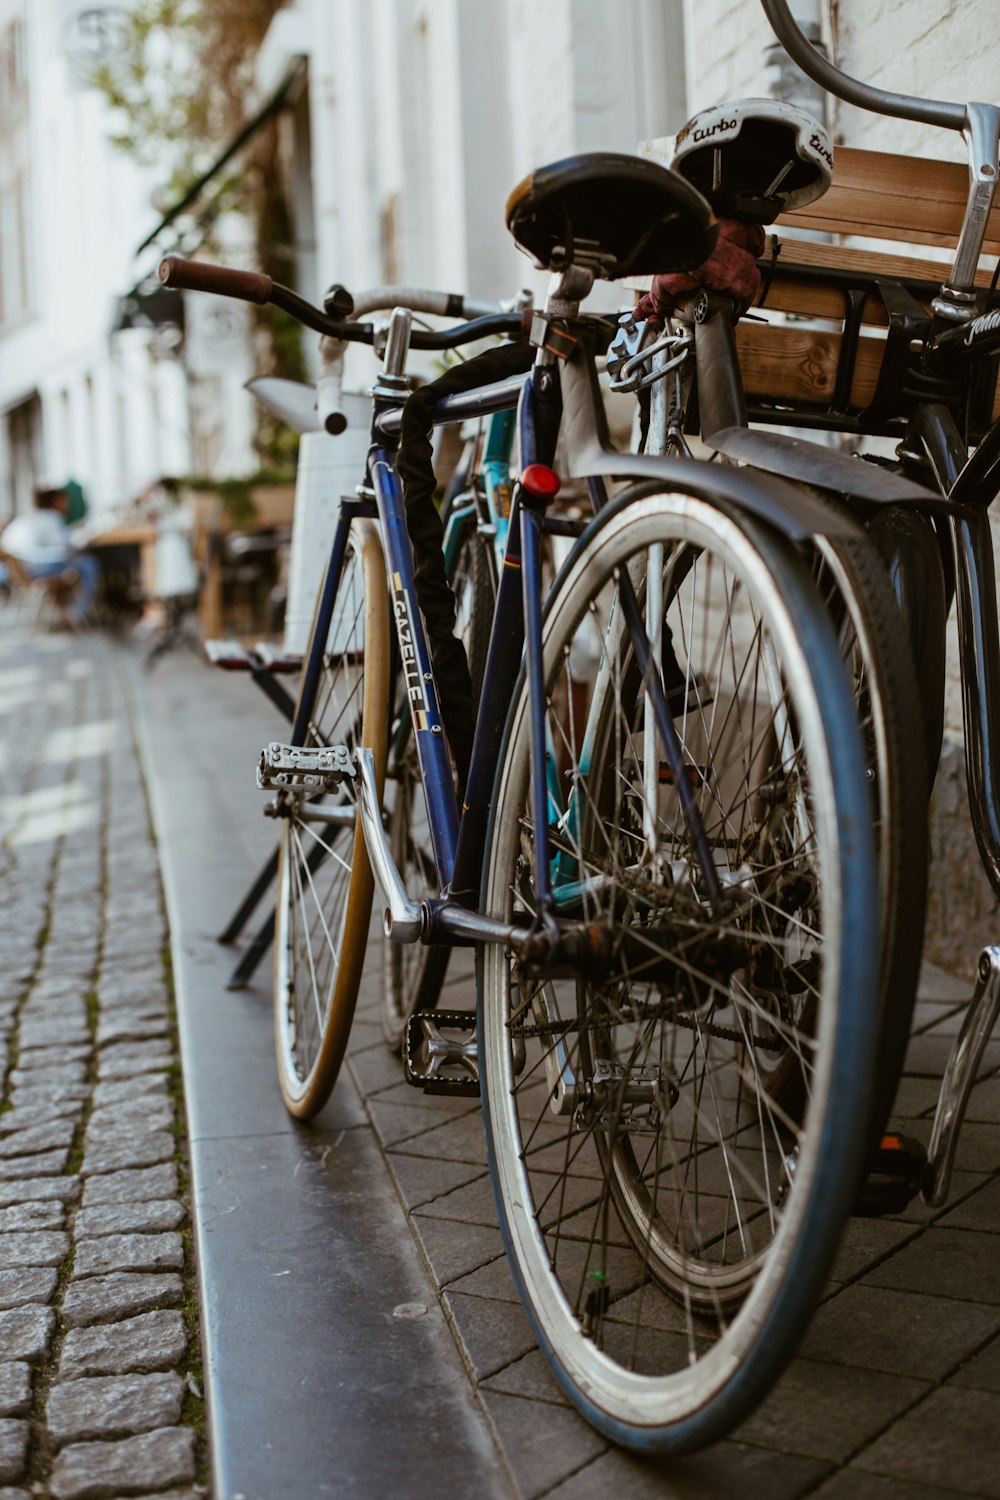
{"x":660,"y":1335}
{"x":875,"y":645}
{"x":322,"y":915}
{"x":414,"y":974}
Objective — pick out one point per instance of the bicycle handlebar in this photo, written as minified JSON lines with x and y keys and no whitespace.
{"x":254,"y":286}
{"x":197,"y":276}
{"x":864,"y":95}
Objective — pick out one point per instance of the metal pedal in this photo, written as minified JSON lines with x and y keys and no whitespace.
{"x":895,"y":1177}
{"x":296,"y":768}
{"x":437,"y":1041}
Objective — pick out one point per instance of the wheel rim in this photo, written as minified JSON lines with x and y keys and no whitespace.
{"x":322,"y":913}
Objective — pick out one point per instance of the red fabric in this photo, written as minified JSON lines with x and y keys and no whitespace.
{"x":730,"y":268}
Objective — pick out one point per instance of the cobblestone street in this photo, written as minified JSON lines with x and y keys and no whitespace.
{"x":99,"y":1380}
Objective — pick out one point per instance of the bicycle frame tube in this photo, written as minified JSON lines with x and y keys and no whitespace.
{"x":331,"y":583}
{"x":429,"y":737}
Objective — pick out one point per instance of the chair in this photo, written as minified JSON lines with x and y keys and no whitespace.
{"x":35,"y":598}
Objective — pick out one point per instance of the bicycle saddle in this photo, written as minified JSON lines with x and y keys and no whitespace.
{"x":618,"y":215}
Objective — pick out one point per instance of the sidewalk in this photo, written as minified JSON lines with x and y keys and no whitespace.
{"x":894,"y":1396}
{"x":360,"y":1331}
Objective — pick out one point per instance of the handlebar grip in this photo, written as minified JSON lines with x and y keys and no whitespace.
{"x":198,"y":276}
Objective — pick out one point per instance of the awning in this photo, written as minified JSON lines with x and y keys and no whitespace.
{"x":273,"y":106}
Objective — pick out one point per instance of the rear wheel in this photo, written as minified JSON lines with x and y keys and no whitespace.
{"x":325,"y":884}
{"x":670,"y":1222}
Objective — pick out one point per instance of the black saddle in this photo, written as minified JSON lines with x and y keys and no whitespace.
{"x":619,"y":215}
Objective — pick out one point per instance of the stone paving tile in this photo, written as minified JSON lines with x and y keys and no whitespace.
{"x":127,"y":1149}
{"x":984,"y":1102}
{"x":451,"y":1254}
{"x":51,"y":1076}
{"x":490,"y":1334}
{"x":41,"y":1248}
{"x":898,"y":1333}
{"x":133,"y":1186}
{"x":45,"y":1163}
{"x":136,"y":1115}
{"x":963,"y":1262}
{"x":98,"y":1299}
{"x":824,"y":1411}
{"x":128,"y":1218}
{"x":147,"y":1086}
{"x":421,"y":1179}
{"x":39,"y":1112}
{"x":46,"y":1214}
{"x":530,"y":1377}
{"x":128,"y":1252}
{"x":153,"y":1458}
{"x":131,"y":1026}
{"x":472,"y":1204}
{"x":57,"y":1098}
{"x":21,"y":1288}
{"x":927,"y":1055}
{"x":982,"y":1371}
{"x":152,"y":1341}
{"x":25,"y":1332}
{"x":729,"y":1469}
{"x":458,"y":1140}
{"x":106,"y":1406}
{"x":14,"y":1434}
{"x":34,"y":1189}
{"x":952,"y":1439}
{"x":36,"y":1138}
{"x":398,"y":1123}
{"x":851,"y":1484}
{"x":15,"y":1388}
{"x":979,"y":1211}
{"x":124,"y":1060}
{"x":542,"y":1444}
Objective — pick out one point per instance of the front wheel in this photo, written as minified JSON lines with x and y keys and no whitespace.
{"x":325,"y":884}
{"x":669,"y":1221}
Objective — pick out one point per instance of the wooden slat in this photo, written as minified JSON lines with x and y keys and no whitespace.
{"x":826,"y":300}
{"x":894,"y":198}
{"x":792,"y":364}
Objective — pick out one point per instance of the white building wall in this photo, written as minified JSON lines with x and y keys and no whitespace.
{"x":426,"y":113}
{"x":114,"y":412}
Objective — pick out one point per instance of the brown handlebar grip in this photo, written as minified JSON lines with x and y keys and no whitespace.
{"x":198,"y":276}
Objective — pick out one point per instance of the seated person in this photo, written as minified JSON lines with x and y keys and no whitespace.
{"x":41,"y":541}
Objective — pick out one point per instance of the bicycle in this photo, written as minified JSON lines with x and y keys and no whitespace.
{"x":931,"y":386}
{"x":661,"y":875}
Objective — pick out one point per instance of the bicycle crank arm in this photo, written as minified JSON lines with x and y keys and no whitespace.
{"x":960,"y":1075}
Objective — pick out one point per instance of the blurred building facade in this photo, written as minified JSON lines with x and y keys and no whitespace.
{"x":73,"y":402}
{"x":405,"y":126}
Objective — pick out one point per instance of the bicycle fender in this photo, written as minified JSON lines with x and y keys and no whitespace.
{"x":827,"y":468}
{"x":797,"y":514}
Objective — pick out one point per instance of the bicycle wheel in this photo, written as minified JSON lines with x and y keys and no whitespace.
{"x":413,"y":973}
{"x":669,"y":1223}
{"x":325,"y":884}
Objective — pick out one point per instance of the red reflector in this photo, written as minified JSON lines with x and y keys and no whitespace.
{"x":540,"y":480}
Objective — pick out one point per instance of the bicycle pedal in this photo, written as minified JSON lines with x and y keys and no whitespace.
{"x":441,"y":1053}
{"x":895,"y":1176}
{"x":304,"y":769}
